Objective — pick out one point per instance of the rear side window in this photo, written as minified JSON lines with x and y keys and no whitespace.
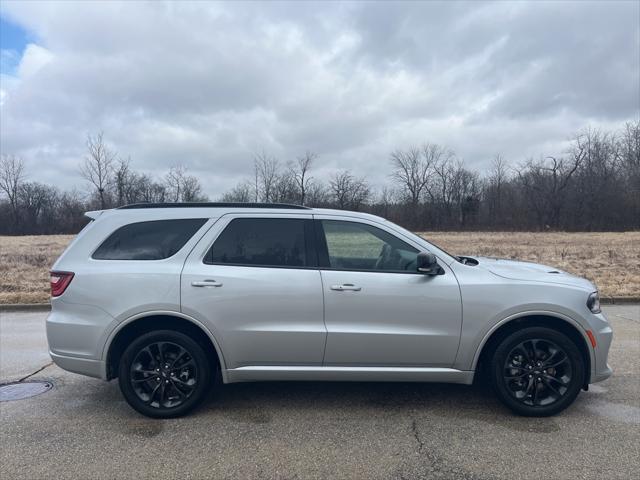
{"x":265,"y":242}
{"x":148,"y":240}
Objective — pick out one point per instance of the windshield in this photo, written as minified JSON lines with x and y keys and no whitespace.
{"x":423,"y":240}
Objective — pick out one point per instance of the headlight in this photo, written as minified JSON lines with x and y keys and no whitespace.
{"x":593,"y":302}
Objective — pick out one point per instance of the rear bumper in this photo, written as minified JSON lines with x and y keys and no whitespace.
{"x":83,"y":366}
{"x":75,"y":336}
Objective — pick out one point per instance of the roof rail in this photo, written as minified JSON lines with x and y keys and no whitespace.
{"x":212,"y":205}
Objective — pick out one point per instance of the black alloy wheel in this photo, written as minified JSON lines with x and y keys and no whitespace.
{"x":537,"y":371}
{"x":164,"y":374}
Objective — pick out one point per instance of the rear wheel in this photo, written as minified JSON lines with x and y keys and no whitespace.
{"x":164,"y":374}
{"x":537,"y":371}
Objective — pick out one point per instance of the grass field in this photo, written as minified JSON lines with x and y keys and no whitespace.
{"x":611,"y":260}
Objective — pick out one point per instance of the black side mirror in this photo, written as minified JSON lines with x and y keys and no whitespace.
{"x":428,"y":264}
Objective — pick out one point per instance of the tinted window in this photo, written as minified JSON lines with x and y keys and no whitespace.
{"x":148,"y":240}
{"x":357,"y":246}
{"x":277,"y":242}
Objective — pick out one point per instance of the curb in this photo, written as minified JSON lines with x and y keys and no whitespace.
{"x":619,"y":300}
{"x":25,"y":307}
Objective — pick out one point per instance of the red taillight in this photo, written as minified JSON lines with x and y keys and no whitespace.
{"x":59,"y":282}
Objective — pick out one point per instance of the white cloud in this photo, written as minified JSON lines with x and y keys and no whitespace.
{"x":33,"y":59}
{"x":208,"y":84}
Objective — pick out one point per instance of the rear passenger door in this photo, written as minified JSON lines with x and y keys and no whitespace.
{"x":253,"y":280}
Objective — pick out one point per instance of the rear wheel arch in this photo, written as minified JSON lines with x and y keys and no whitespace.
{"x":558,"y":323}
{"x":140,"y":325}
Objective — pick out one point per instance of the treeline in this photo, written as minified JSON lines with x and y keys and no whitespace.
{"x":594,"y":185}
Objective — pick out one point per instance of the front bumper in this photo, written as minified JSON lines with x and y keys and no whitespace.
{"x":603,"y":334}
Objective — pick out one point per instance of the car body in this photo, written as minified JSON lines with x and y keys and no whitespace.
{"x":325,"y":309}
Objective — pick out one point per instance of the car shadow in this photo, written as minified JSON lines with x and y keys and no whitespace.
{"x":356,"y":397}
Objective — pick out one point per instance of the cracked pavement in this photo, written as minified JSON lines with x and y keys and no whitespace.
{"x":82,"y":428}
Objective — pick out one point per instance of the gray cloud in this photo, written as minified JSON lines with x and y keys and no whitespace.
{"x":209,"y":84}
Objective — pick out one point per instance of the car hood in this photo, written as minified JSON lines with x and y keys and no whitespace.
{"x":517,"y":270}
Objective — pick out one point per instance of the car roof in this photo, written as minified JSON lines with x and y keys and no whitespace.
{"x":157,"y":211}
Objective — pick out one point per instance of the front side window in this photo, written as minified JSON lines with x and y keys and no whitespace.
{"x":264,"y":242}
{"x":154,"y":240}
{"x":358,"y":246}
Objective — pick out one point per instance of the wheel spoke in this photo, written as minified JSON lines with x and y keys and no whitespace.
{"x":557,"y":380}
{"x":558,"y":357}
{"x":163,"y":394}
{"x":160,"y":354}
{"x":142,"y":380}
{"x":536,"y":388}
{"x":152,"y":394}
{"x":188,"y":363}
{"x":190,"y":386}
{"x":526,"y":351}
{"x":180,"y":355}
{"x":551,"y":387}
{"x":147,"y":350}
{"x":180,"y":392}
{"x":529,"y":387}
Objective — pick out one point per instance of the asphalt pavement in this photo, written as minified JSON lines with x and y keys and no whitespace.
{"x":82,"y":428}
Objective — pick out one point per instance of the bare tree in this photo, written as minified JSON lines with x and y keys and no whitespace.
{"x":34,"y":199}
{"x":241,"y":193}
{"x":546,"y":182}
{"x":266,"y":176}
{"x":182,"y":187}
{"x":174,"y":180}
{"x":497,"y":178}
{"x":348,"y":191}
{"x":191,"y":189}
{"x":412,"y":171}
{"x":300,"y":173}
{"x":98,"y":166}
{"x":123,"y":180}
{"x":11,"y":179}
{"x":318,"y":195}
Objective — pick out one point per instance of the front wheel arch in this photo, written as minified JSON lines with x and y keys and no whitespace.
{"x":548,"y":321}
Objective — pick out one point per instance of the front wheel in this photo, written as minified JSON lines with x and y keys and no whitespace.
{"x":164,"y":374}
{"x":537,"y":371}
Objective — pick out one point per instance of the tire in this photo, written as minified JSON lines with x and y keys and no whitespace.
{"x":164,"y":374}
{"x":552,"y":383}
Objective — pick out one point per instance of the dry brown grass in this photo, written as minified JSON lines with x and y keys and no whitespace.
{"x":24,"y":266}
{"x":611,"y":260}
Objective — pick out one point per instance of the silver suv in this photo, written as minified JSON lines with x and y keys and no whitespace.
{"x":170,"y":298}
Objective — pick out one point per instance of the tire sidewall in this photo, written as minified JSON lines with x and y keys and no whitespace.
{"x":564,"y":342}
{"x":203,"y":365}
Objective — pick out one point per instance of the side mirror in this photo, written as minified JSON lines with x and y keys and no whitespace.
{"x":428,"y":264}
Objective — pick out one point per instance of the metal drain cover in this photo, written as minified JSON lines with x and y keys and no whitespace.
{"x":20,"y":390}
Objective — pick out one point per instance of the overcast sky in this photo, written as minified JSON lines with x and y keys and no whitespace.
{"x":208,"y":84}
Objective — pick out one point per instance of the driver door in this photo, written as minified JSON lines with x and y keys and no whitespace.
{"x":379,"y":311}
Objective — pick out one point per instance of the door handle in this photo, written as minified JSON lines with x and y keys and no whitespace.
{"x":347,"y":286}
{"x":206,"y":283}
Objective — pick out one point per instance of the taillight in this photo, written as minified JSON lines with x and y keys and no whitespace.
{"x":59,"y":282}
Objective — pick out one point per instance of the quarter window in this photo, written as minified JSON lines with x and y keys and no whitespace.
{"x":266,"y":242}
{"x":153,"y":240}
{"x":358,"y":246}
